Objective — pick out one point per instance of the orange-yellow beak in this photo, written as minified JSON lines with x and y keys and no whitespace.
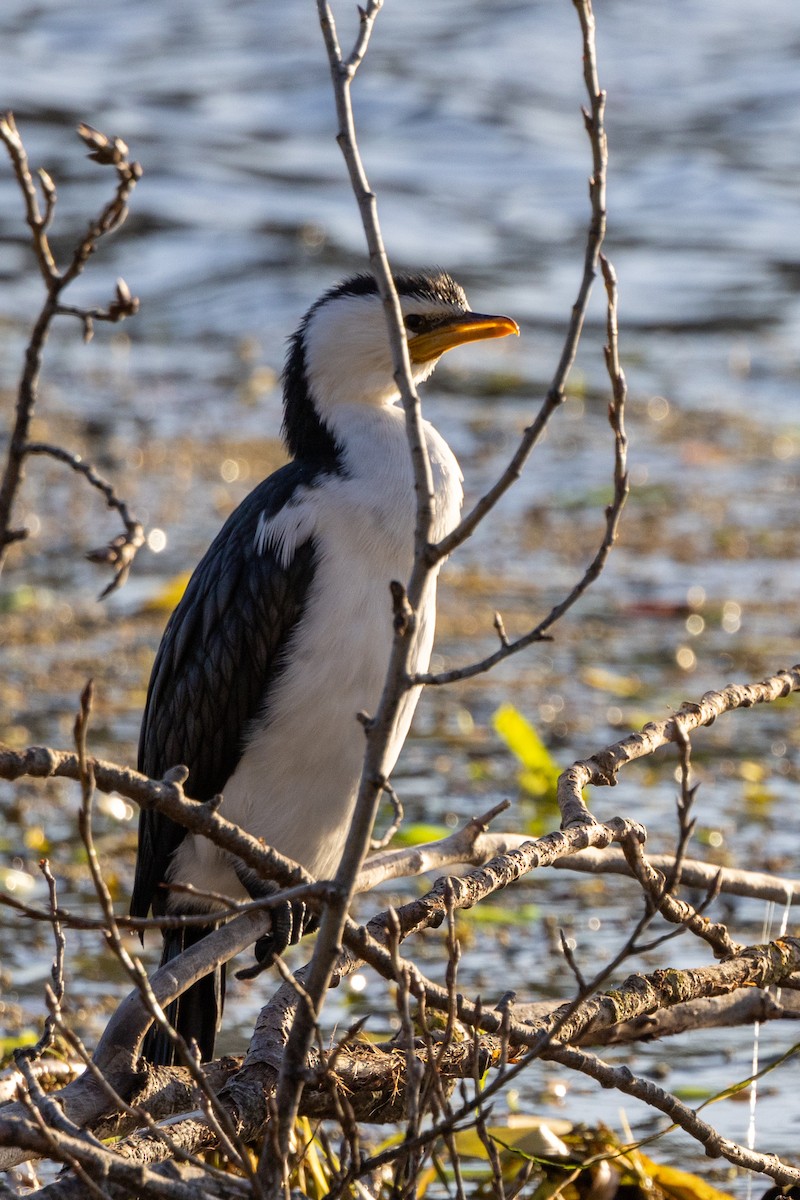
{"x":455,"y":331}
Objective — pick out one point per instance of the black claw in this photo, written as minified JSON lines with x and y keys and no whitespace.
{"x":290,"y":922}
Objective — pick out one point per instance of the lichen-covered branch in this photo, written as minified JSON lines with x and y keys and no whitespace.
{"x":603,"y":767}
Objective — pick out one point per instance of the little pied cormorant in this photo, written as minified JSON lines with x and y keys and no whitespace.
{"x":284,"y":631}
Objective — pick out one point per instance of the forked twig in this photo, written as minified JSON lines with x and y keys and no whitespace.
{"x":108,"y":152}
{"x":597,"y":190}
{"x":594,"y":120}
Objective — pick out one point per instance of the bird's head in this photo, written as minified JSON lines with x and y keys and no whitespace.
{"x":341,"y":354}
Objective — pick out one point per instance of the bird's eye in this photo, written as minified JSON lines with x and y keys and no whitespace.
{"x":414,"y":323}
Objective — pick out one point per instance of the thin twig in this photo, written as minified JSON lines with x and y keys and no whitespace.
{"x":597,"y":191}
{"x":602,"y":768}
{"x":56,"y":971}
{"x":679,"y":912}
{"x":397,"y":819}
{"x":121,"y":551}
{"x":218,"y":1118}
{"x":379,"y":728}
{"x":597,"y":227}
{"x":110,"y":152}
{"x":623,"y":1080}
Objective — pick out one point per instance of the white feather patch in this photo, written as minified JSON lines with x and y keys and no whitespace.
{"x":288,"y":528}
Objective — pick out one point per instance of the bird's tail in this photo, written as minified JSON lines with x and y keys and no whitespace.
{"x":197,"y":1012}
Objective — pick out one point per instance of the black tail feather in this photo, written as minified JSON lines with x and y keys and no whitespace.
{"x":195,"y":1014}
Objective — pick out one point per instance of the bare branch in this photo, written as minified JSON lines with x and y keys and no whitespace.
{"x":119,"y":553}
{"x":555,"y":396}
{"x":597,"y":228}
{"x":106,"y":151}
{"x":167,"y":795}
{"x":378,"y":730}
{"x":602,"y":768}
{"x":715,"y":1146}
{"x":694,"y":873}
{"x":56,"y":971}
{"x":37,"y":223}
{"x":742,"y":1007}
{"x":679,"y":912}
{"x":397,"y":821}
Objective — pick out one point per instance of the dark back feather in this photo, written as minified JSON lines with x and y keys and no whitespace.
{"x":222,"y":650}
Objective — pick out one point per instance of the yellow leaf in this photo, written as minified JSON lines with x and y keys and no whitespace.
{"x":677,"y":1184}
{"x":311,"y":1158}
{"x":167,"y":597}
{"x":36,"y":839}
{"x":424,"y":1180}
{"x":418,"y":833}
{"x":541,"y":772}
{"x":610,"y":681}
{"x":750,"y":771}
{"x":9,"y":1044}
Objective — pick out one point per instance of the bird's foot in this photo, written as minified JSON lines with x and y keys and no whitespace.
{"x":290,"y":921}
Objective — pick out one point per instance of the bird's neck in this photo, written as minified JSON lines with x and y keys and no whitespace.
{"x":307,"y":435}
{"x":376,"y":456}
{"x":372,"y":439}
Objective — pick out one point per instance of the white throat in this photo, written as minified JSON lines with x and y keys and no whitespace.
{"x":348,"y":357}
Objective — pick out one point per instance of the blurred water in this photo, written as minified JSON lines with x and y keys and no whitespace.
{"x":471,"y":133}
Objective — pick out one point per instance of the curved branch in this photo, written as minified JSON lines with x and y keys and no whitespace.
{"x":167,"y":795}
{"x":106,"y":151}
{"x":716,"y":1146}
{"x":595,"y":127}
{"x":508,"y":647}
{"x":119,"y":553}
{"x":602,"y":768}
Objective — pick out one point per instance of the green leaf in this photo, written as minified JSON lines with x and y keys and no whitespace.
{"x":9,"y":1044}
{"x":25,"y":599}
{"x":500,"y":914}
{"x":418,"y":833}
{"x":692,"y":1093}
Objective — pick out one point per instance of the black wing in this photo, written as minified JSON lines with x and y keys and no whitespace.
{"x":223,"y":646}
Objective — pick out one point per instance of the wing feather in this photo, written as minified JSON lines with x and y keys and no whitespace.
{"x":223,"y":648}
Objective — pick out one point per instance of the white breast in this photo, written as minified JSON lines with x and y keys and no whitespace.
{"x":296,"y":783}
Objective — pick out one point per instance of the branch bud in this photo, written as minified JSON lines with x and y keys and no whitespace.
{"x":48,"y":186}
{"x":106,"y":151}
{"x":124,"y":305}
{"x":403,"y":613}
